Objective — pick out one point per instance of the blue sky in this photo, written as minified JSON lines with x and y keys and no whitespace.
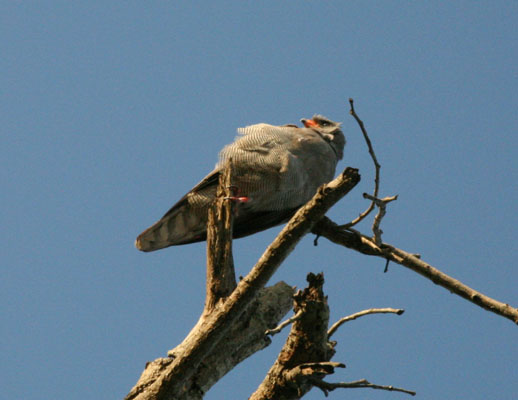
{"x":111,"y":111}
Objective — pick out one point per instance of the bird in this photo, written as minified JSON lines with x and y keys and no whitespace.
{"x":275,"y":170}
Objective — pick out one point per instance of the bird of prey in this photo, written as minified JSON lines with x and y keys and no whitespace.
{"x":275,"y":169}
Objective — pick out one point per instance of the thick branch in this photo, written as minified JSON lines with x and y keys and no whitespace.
{"x":365,"y":245}
{"x":307,"y":350}
{"x":221,"y":278}
{"x":171,"y":382}
{"x":305,"y":357}
{"x":247,"y":335}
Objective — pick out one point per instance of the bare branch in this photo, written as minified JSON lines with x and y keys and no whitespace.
{"x":221,"y":278}
{"x":171,"y":382}
{"x":365,"y":245}
{"x":376,"y":166}
{"x":304,"y":360}
{"x":306,"y":351}
{"x":382,"y":205}
{"x":247,"y":335}
{"x":362,"y":383}
{"x":359,"y":314}
{"x":237,"y":310}
{"x":326,"y":366}
{"x":284,"y":324}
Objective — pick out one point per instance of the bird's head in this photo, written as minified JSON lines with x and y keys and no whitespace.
{"x":330,"y":131}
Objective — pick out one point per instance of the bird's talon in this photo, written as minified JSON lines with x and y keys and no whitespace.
{"x":242,"y":199}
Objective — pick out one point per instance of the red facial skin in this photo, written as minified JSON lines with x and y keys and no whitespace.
{"x":309,"y":123}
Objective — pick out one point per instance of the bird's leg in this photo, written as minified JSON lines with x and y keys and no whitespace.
{"x":235,"y":195}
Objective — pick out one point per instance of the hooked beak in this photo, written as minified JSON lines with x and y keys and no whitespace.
{"x":309,"y":123}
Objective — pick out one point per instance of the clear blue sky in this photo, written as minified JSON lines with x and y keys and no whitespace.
{"x":111,"y":111}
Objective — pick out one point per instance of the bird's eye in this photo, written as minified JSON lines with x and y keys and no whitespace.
{"x":323,"y":123}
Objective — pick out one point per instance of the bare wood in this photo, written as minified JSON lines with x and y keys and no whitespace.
{"x":270,"y":305}
{"x":453,"y":285}
{"x":359,"y":314}
{"x":362,"y":383}
{"x":237,"y":311}
{"x":307,"y":350}
{"x":363,"y":244}
{"x":171,"y":382}
{"x":377,"y":166}
{"x":304,"y":360}
{"x":382,"y":209}
{"x":221,"y":277}
{"x":284,"y":324}
{"x":247,"y":338}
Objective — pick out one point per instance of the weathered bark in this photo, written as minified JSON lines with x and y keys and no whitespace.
{"x":247,"y":337}
{"x":173,"y":379}
{"x":365,"y":245}
{"x":221,"y":277}
{"x":244,"y":311}
{"x":307,"y":351}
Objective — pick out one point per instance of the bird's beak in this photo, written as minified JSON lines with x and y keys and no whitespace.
{"x":309,"y":123}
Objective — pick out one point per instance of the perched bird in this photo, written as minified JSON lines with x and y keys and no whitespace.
{"x":275,"y":169}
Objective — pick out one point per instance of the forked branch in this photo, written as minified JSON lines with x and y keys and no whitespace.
{"x":348,"y":237}
{"x":365,"y":245}
{"x":172,"y":377}
{"x":377,"y":167}
{"x":305,"y":359}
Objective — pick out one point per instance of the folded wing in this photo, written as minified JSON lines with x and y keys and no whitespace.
{"x":278,"y":168}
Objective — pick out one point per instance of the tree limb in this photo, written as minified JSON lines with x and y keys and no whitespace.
{"x":377,"y":167}
{"x":245,"y":311}
{"x":382,"y":206}
{"x":359,"y":314}
{"x":362,"y":383}
{"x":364,"y":245}
{"x":221,"y":277}
{"x":284,"y":324}
{"x":306,"y":352}
{"x":171,"y":382}
{"x":247,"y":335}
{"x":305,"y":357}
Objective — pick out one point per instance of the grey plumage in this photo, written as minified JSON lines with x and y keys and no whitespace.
{"x":278,"y":168}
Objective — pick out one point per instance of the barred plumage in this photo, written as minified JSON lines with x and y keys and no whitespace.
{"x":278,"y":168}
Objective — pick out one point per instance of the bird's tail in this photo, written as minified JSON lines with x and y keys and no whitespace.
{"x":180,"y":225}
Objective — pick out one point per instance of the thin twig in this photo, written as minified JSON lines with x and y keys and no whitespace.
{"x":376,"y":166}
{"x":283,"y":324}
{"x":362,"y":383}
{"x":322,"y":366}
{"x":386,"y":266}
{"x":382,"y":205}
{"x":359,"y":314}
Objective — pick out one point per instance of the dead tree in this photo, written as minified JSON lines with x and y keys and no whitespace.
{"x":248,"y":312}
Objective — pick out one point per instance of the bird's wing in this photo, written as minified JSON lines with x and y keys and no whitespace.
{"x":278,"y":167}
{"x":185,"y":222}
{"x":251,"y":222}
{"x":205,"y":188}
